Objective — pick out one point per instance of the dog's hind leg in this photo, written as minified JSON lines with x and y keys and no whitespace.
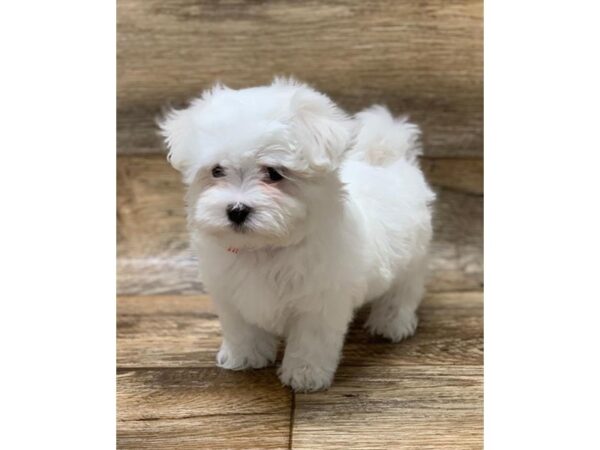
{"x":394,"y":315}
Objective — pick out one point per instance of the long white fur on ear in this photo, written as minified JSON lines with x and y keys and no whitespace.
{"x":177,"y":129}
{"x":181,"y":132}
{"x":319,"y":126}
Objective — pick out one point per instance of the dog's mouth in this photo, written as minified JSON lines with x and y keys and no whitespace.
{"x":239,"y":228}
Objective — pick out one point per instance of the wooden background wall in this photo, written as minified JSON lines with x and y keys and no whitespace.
{"x":421,"y":57}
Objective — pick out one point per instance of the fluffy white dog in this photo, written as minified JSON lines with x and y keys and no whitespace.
{"x":300,"y":214}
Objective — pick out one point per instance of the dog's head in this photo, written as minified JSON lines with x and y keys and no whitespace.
{"x":257,"y":160}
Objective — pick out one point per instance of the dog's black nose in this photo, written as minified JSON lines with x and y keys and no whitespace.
{"x":238,"y":213}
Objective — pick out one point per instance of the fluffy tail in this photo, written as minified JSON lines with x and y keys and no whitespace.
{"x":381,"y":140}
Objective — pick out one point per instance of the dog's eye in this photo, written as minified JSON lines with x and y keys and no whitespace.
{"x":218,"y":171}
{"x":273,"y":174}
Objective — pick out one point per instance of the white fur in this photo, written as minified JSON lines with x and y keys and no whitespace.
{"x":350,"y":223}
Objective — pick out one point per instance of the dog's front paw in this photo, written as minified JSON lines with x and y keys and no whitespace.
{"x":304,"y":377}
{"x":396,"y":328}
{"x":241,"y":358}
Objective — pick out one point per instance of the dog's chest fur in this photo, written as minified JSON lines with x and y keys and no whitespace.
{"x":269,"y":288}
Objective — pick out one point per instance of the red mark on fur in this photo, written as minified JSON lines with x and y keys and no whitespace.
{"x":233,"y":250}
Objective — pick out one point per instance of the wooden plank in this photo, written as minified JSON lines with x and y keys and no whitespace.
{"x":154,"y":257}
{"x":424,"y":58}
{"x":266,"y":431}
{"x":450,"y":331}
{"x":166,"y":305}
{"x":408,"y":407}
{"x":460,"y":174}
{"x":456,"y":255}
{"x":195,"y":408}
{"x":156,"y":332}
{"x":152,"y":245}
{"x":152,"y":332}
{"x":153,"y":394}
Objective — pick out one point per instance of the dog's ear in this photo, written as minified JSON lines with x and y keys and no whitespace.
{"x":181,"y":131}
{"x":319,"y":127}
{"x":177,"y":129}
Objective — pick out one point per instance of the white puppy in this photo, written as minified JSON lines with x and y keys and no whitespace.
{"x":299,"y":215}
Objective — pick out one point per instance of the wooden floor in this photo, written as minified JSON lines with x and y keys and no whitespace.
{"x":426,"y":392}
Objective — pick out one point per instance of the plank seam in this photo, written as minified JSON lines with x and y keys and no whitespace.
{"x":292,"y":415}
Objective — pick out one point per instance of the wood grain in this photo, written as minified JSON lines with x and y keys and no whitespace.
{"x":450,"y":331}
{"x":154,"y":257}
{"x":158,"y":331}
{"x":262,"y":431}
{"x":423,"y":407}
{"x":199,"y":407}
{"x":153,"y":394}
{"x":424,"y":58}
{"x":459,"y":174}
{"x":153,"y":333}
